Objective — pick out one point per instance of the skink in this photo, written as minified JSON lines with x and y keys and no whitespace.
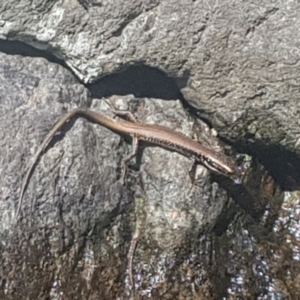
{"x":159,"y":135}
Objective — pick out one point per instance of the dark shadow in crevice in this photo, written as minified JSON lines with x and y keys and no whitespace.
{"x":282,"y":164}
{"x":141,"y":81}
{"x":138,"y":79}
{"x":239,"y":193}
{"x":23,"y":49}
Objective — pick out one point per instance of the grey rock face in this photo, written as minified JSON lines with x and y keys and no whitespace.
{"x":74,"y":190}
{"x":234,"y":64}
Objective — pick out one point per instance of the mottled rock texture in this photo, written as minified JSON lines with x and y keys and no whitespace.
{"x":232,"y":64}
